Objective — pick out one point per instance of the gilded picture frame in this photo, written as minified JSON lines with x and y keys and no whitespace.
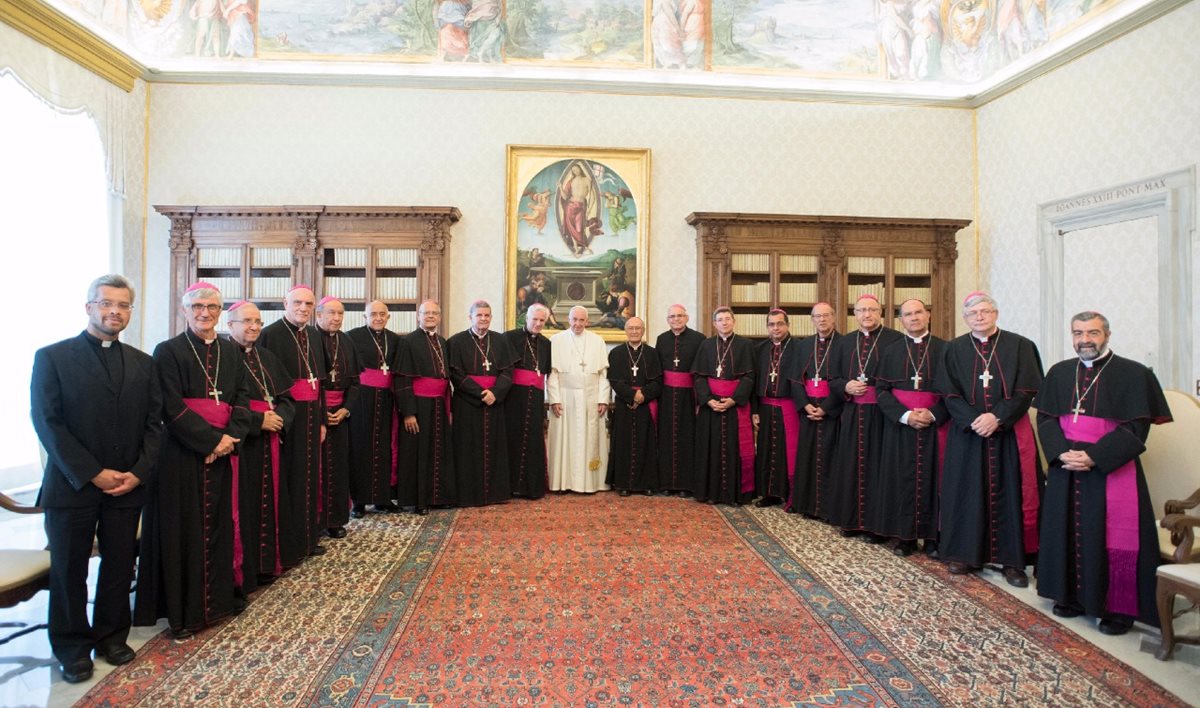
{"x":577,"y":222}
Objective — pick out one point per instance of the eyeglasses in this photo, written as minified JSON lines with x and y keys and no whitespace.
{"x":248,"y":323}
{"x":109,"y":304}
{"x":970,"y":314}
{"x":865,"y":310}
{"x":198,"y":307}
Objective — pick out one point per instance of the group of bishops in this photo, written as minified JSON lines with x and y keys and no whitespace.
{"x":246,"y":451}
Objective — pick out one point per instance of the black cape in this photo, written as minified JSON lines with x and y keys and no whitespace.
{"x":425,"y":472}
{"x":677,"y":412}
{"x":814,"y":449}
{"x":633,"y":452}
{"x":480,"y":432}
{"x":718,"y":438}
{"x":372,"y":426}
{"x":771,"y":461}
{"x":525,"y":407}
{"x":342,"y":360}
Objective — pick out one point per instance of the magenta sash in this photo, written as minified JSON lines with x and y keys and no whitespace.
{"x":678,"y":379}
{"x":1027,"y":451}
{"x":816,"y":389}
{"x":429,"y":387}
{"x":926,"y":399}
{"x":376,"y":378}
{"x":485,"y":382}
{"x":394,"y":478}
{"x":725,"y":388}
{"x":791,"y":429}
{"x":1121,"y":515}
{"x":653,"y":408}
{"x":526,"y":377}
{"x":215,"y":414}
{"x":304,"y":392}
{"x":334,"y":399}
{"x":867,"y":398}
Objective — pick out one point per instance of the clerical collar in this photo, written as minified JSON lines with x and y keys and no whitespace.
{"x":248,"y":348}
{"x":872,"y":332}
{"x":726,"y":339}
{"x":635,"y":347}
{"x":431,"y":332}
{"x":986,"y":337}
{"x":477,"y":335}
{"x":918,"y":340}
{"x":780,"y":342}
{"x":202,"y":339}
{"x":106,"y":343}
{"x":1098,"y":360}
{"x":293,"y":325}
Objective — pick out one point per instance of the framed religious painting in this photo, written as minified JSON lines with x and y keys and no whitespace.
{"x":577,"y":222}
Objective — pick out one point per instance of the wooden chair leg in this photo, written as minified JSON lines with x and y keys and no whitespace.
{"x":1166,"y":615}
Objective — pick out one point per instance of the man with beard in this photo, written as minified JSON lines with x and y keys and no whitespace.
{"x":818,"y":430}
{"x":425,"y":474}
{"x":992,"y":477}
{"x":186,"y":567}
{"x":902,"y":489}
{"x":341,"y":398}
{"x":374,"y":430}
{"x":724,"y":374}
{"x":256,"y":460}
{"x":860,"y":425}
{"x":297,"y":344}
{"x":636,"y":382}
{"x":1099,"y":545}
{"x":525,"y":406}
{"x":776,"y":421}
{"x":481,"y":364}
{"x":97,"y":410}
{"x":676,"y":350}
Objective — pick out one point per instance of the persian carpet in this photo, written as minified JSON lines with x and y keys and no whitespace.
{"x":575,"y":600}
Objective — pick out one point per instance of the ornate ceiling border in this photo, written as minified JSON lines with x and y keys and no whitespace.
{"x":70,"y":39}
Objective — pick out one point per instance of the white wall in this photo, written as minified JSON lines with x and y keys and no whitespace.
{"x":393,"y":146}
{"x":1128,"y":110}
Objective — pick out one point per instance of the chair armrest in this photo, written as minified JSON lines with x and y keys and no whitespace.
{"x":1178,"y":506}
{"x":16,"y":507}
{"x":1183,"y":533}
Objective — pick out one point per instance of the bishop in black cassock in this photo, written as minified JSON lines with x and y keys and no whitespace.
{"x":257,"y":460}
{"x":297,"y":344}
{"x":375,"y":425}
{"x":1099,"y":544}
{"x":992,"y":478}
{"x":525,"y":406}
{"x":425,"y":473}
{"x":341,"y":402}
{"x":636,"y":382}
{"x":677,"y":349}
{"x":186,"y":569}
{"x":819,"y":411}
{"x":724,"y":374}
{"x":902,"y":489}
{"x":775,"y":416}
{"x":481,"y":365}
{"x":855,"y":362}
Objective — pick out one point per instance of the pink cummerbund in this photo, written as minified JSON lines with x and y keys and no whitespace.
{"x":334,"y":399}
{"x":868,"y":397}
{"x":215,"y":414}
{"x":484,"y":382}
{"x":816,"y":389}
{"x":376,"y":378}
{"x":525,"y":377}
{"x":260,"y":406}
{"x":678,"y":379}
{"x":916,"y":399}
{"x":304,"y":392}
{"x":429,"y":387}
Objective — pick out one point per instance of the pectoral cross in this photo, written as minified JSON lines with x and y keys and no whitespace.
{"x":986,"y":377}
{"x":312,"y":381}
{"x":635,"y":369}
{"x":487,"y":365}
{"x":216,"y":395}
{"x":270,"y":401}
{"x":333,"y":375}
{"x":862,"y":377}
{"x":719,"y":368}
{"x":676,"y":362}
{"x":384,"y":368}
{"x":773,"y":375}
{"x":1077,"y":410}
{"x":817,"y":379}
{"x":916,"y":379}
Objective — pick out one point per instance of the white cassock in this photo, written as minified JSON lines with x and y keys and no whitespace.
{"x":578,"y":441}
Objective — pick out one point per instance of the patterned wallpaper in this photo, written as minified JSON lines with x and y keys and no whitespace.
{"x":324,"y":145}
{"x":1126,"y":111}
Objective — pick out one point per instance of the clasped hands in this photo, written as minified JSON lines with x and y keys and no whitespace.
{"x":336,"y":417}
{"x":985,"y":425}
{"x":1076,"y":461}
{"x":114,"y":483}
{"x":272,"y":422}
{"x":920,"y":418}
{"x":222,"y":449}
{"x":814,"y":413}
{"x":720,"y":405}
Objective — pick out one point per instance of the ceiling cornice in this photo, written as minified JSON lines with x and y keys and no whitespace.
{"x":70,"y":39}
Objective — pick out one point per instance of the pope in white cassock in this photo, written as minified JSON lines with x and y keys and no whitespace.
{"x":578,"y":393}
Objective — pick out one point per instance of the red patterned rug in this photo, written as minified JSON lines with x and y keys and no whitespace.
{"x":577,"y":600}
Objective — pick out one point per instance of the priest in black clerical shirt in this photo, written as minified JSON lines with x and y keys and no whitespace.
{"x":97,"y":409}
{"x":1099,"y":544}
{"x":724,"y":374}
{"x":636,"y":381}
{"x":677,"y":349}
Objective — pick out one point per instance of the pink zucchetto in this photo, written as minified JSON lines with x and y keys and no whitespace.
{"x":973,"y":294}
{"x":867,"y":296}
{"x":202,"y":285}
{"x":240,"y":303}
{"x":300,"y":286}
{"x":326,"y":300}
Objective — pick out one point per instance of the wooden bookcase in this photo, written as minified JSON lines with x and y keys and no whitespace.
{"x":753,"y":262}
{"x":359,"y":254}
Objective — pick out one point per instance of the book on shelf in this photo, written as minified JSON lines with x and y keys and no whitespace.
{"x":270,"y":257}
{"x":857,"y":290}
{"x":219,"y":257}
{"x":349,"y":257}
{"x":271,"y":316}
{"x":345,"y":288}
{"x":269,"y":288}
{"x":397,"y":257}
{"x":794,"y":263}
{"x":402,"y":322}
{"x":797,"y":292}
{"x":802,"y":327}
{"x":755,"y":262}
{"x":868,"y":265}
{"x":353,"y":319}
{"x":230,"y":288}
{"x":396,"y":288}
{"x":911,"y":266}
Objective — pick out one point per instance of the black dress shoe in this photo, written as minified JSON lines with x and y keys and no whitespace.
{"x":849,"y":533}
{"x":117,"y":654}
{"x":317,"y":551}
{"x":1115,"y":625}
{"x":239,"y":605}
{"x":930,"y":549}
{"x":358,"y":511}
{"x":1060,"y":610}
{"x":181,"y":633}
{"x":77,"y":671}
{"x":768,"y":501}
{"x":905,"y":548}
{"x":957,"y":568}
{"x":872,"y":538}
{"x":337,"y":532}
{"x":389,"y":508}
{"x":1016,"y":577}
{"x":648,"y":492}
{"x":421,"y":511}
{"x":624,"y":492}
{"x":264,"y":579}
